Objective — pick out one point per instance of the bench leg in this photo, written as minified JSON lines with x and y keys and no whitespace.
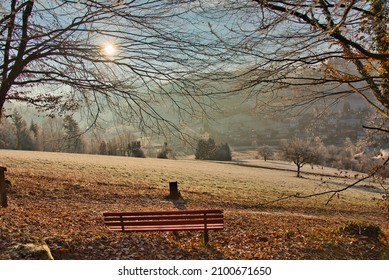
{"x":176,"y":235}
{"x":206,"y":237}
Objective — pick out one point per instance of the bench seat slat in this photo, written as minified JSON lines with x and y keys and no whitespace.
{"x":162,"y":217}
{"x":166,"y":228}
{"x":184,"y":212}
{"x":161,"y":223}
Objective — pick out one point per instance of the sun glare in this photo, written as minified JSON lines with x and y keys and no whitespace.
{"x":109,"y":49}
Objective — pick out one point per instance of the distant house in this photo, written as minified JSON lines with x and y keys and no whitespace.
{"x":382,"y":155}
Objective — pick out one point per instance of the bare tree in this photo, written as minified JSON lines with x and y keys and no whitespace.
{"x":299,"y":151}
{"x":53,"y":136}
{"x":129,"y":56}
{"x":314,"y":49}
{"x":95,"y":55}
{"x":266,"y":152}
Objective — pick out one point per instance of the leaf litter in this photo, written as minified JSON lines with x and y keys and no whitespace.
{"x":61,"y":207}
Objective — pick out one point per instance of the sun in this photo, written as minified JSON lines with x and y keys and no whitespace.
{"x":109,"y":49}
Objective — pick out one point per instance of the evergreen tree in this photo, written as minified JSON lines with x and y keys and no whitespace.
{"x":72,"y":135}
{"x":7,"y":135}
{"x":205,"y":149}
{"x":208,"y":150}
{"x":23,"y":138}
{"x":36,"y":136}
{"x":103,"y":148}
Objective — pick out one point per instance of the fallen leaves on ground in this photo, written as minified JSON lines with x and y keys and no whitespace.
{"x":65,"y":212}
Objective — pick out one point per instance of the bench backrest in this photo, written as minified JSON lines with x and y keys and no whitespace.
{"x":165,"y":220}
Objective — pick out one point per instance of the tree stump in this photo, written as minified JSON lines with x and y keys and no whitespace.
{"x":3,"y":188}
{"x":174,"y":193}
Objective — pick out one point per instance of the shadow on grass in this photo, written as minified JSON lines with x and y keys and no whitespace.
{"x":136,"y":246}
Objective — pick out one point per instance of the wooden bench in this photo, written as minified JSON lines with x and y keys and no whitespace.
{"x":184,"y":220}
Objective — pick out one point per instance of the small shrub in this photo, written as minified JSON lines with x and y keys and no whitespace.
{"x":164,"y":152}
{"x":222,"y":152}
{"x":383,"y":203}
{"x":290,"y":234}
{"x":134,"y":150}
{"x":362,"y":230}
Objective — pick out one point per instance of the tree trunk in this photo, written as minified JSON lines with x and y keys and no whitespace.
{"x":3,"y":189}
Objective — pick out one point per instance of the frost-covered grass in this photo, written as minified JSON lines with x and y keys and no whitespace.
{"x":243,"y":185}
{"x":59,"y":199}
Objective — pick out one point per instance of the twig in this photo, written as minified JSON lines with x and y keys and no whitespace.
{"x":376,"y":128}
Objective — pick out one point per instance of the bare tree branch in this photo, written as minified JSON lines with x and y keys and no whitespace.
{"x":294,"y":46}
{"x":376,"y":128}
{"x":53,"y":58}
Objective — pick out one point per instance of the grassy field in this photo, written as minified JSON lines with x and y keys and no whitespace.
{"x":58,"y":199}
